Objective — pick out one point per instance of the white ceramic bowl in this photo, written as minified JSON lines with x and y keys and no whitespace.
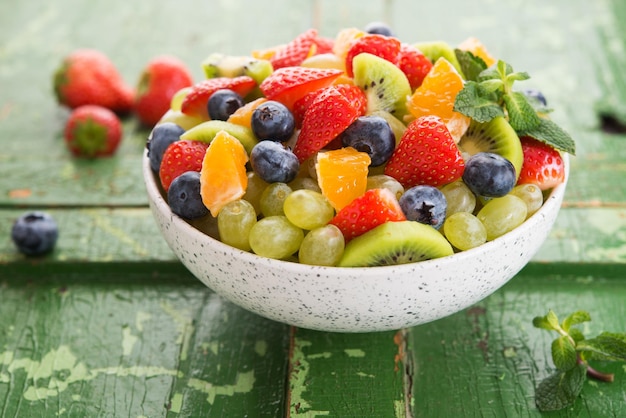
{"x":353,"y":299}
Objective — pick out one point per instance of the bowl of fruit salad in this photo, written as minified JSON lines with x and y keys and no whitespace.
{"x":365,"y":184}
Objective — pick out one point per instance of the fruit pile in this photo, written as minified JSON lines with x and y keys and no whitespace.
{"x":357,"y":150}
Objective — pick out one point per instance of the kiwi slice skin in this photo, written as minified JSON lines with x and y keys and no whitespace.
{"x":437,"y":49}
{"x":496,"y":136}
{"x":395,"y":243}
{"x":384,"y":84}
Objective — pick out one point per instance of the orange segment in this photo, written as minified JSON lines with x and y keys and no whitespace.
{"x":243,"y":115}
{"x":223,"y":176}
{"x":477,"y":48}
{"x":342,"y":175}
{"x":436,"y":96}
{"x":343,"y":40}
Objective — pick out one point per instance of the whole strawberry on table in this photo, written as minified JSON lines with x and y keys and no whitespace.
{"x":359,"y":150}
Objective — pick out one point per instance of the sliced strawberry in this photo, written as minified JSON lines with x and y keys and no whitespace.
{"x":195,"y":103}
{"x":426,"y":154}
{"x":324,"y":45}
{"x":352,"y":93}
{"x":288,"y":85}
{"x":373,"y":208}
{"x":328,"y":115}
{"x":296,"y":51}
{"x":414,"y":64}
{"x":181,"y":156}
{"x":542,"y":166}
{"x":386,"y":47}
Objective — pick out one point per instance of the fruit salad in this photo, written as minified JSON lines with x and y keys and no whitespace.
{"x":358,"y":150}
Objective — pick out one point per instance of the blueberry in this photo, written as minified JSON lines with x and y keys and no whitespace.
{"x":373,"y":135}
{"x":489,"y":175}
{"x":272,"y":120}
{"x":379,"y":28}
{"x":184,"y":198}
{"x":35,"y":233}
{"x":272,"y":162}
{"x":223,"y":103}
{"x":536,"y":95}
{"x":424,"y":204}
{"x":160,"y":138}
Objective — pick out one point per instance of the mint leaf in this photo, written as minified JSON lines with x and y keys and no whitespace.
{"x":543,"y":323}
{"x":561,"y":389}
{"x":522,"y":115}
{"x":471,"y":65}
{"x":606,"y":346}
{"x":563,"y":353}
{"x":477,"y":103}
{"x":576,"y":335}
{"x":520,"y":76}
{"x":576,"y":318}
{"x":552,"y":134}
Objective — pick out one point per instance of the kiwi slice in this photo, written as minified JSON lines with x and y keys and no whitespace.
{"x":437,"y":49}
{"x":206,"y":131}
{"x":384,"y":84}
{"x":394,"y":243}
{"x":495,"y":136}
{"x":221,"y":65}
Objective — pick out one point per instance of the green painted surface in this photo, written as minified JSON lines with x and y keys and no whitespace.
{"x":110,"y":324}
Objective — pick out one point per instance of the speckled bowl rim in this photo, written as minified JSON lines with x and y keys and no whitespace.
{"x":327,"y":277}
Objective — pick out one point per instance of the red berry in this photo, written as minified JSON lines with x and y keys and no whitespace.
{"x":296,"y":51}
{"x":414,"y":64}
{"x":332,"y":110}
{"x":162,"y":77}
{"x":179,"y":157}
{"x":386,"y":47}
{"x":426,"y":154}
{"x":89,"y":77}
{"x":196,"y":101}
{"x":373,"y":208}
{"x":542,"y":166}
{"x":93,"y":131}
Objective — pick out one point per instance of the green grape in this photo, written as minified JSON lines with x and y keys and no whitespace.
{"x":234,"y":222}
{"x":308,"y":209}
{"x":275,"y":237}
{"x":207,"y":225}
{"x":322,"y":246}
{"x":304,"y":183}
{"x":272,"y":199}
{"x":383,"y":181}
{"x":531,"y":194}
{"x":459,"y":197}
{"x":464,"y":231}
{"x":502,"y":214}
{"x":256,"y":186}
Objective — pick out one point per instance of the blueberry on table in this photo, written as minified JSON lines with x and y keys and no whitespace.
{"x":35,"y":233}
{"x":160,"y":138}
{"x":184,"y":197}
{"x":489,"y":175}
{"x":272,"y":121}
{"x":273,"y":162}
{"x":223,"y":103}
{"x":424,"y":204}
{"x":372,"y":135}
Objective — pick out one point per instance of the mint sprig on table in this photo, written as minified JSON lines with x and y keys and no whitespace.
{"x":488,"y":93}
{"x":571,"y":353}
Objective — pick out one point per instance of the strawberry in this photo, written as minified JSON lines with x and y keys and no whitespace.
{"x":179,"y":157}
{"x":414,"y":64}
{"x":373,"y":208}
{"x":386,"y":47}
{"x":195,"y":103}
{"x":296,"y":51}
{"x":426,"y":155}
{"x":89,"y":77}
{"x":288,"y":85}
{"x":330,"y":112}
{"x":92,"y":131}
{"x":542,"y":166}
{"x":324,"y":45}
{"x":352,"y":93}
{"x":160,"y":79}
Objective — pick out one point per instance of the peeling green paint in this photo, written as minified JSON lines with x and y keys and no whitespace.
{"x":176,"y":403}
{"x":104,"y":223}
{"x":298,"y":380}
{"x":128,"y":341}
{"x":184,"y":326}
{"x":315,"y":356}
{"x":399,"y":408}
{"x":244,"y":383}
{"x":260,"y":347}
{"x":354,"y":352}
{"x":362,"y":374}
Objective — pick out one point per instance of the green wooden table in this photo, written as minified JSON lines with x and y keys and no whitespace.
{"x":111,"y":325}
